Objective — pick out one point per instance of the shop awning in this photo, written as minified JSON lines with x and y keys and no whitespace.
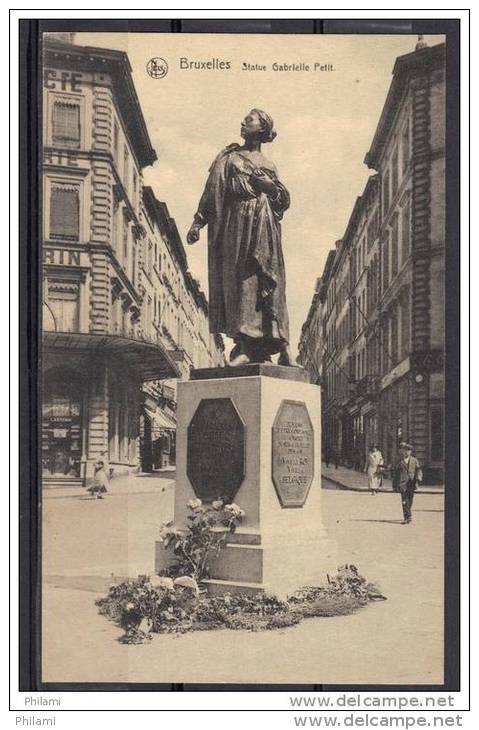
{"x":160,"y":421}
{"x":149,"y":360}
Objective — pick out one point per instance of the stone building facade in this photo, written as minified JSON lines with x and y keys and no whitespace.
{"x":175,"y":313}
{"x":382,"y":299}
{"x":310,"y":351}
{"x":102,"y":339}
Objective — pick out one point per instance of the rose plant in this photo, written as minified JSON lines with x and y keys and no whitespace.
{"x":201,"y":540}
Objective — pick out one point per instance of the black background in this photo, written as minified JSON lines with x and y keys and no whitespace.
{"x":30,"y":332}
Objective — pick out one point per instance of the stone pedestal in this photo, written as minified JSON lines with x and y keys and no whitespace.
{"x":254,"y":434}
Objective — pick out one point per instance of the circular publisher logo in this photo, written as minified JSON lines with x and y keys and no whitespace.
{"x":157,"y":68}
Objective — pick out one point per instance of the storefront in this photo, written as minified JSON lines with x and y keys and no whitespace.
{"x":157,"y":439}
{"x":62,"y":425}
{"x":394,"y":419}
{"x":370,"y":421}
{"x":91,"y":405}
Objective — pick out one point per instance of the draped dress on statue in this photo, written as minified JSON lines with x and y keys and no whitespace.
{"x":247,"y":296}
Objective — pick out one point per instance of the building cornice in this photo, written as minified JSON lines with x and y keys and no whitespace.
{"x":116,"y":63}
{"x":412,"y":64}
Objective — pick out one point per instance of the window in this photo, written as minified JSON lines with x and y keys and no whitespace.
{"x":63,"y":298}
{"x":405,"y":147}
{"x":133,"y":269}
{"x":386,"y":193}
{"x":126,"y":170}
{"x":405,"y":231}
{"x":394,"y":338}
{"x":395,"y":173}
{"x":385,"y":346}
{"x":114,"y":234}
{"x":65,"y":211}
{"x":405,"y":327}
{"x":135,"y":187}
{"x":150,"y":258}
{"x":386,"y":262}
{"x":394,"y":247}
{"x":125,"y":239}
{"x":372,"y":229}
{"x":66,"y":124}
{"x":116,"y":134}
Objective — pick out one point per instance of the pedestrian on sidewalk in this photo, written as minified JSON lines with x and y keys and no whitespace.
{"x":407,"y":475}
{"x":374,"y":462}
{"x":335,"y":457}
{"x":358,"y":460}
{"x":100,"y":480}
{"x":327,"y":455}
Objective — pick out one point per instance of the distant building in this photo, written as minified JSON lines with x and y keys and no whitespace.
{"x":102,"y":338}
{"x":310,"y":352}
{"x":381,"y":300}
{"x":176,"y":314}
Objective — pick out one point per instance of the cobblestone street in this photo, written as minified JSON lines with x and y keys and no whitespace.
{"x":86,"y":542}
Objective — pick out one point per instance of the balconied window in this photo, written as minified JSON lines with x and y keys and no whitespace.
{"x":394,"y":247}
{"x":66,"y":130}
{"x":395,"y":174}
{"x":406,"y":230}
{"x":65,"y":211}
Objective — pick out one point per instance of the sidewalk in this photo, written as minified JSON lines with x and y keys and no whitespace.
{"x":88,"y":545}
{"x":142,"y":483}
{"x":357,"y":481}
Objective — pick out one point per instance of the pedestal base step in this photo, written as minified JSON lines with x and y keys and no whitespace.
{"x":217,"y":587}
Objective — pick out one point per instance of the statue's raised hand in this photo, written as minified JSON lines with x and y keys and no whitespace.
{"x":193,"y":234}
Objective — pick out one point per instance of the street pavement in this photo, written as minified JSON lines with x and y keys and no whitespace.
{"x":89,"y":543}
{"x":343,"y":478}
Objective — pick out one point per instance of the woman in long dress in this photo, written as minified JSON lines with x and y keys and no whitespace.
{"x":242,"y":204}
{"x":374,"y":462}
{"x":100,"y":479}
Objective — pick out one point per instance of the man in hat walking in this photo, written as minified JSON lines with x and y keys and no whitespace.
{"x":407,"y":475}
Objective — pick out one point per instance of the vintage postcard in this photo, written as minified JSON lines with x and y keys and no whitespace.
{"x":243,"y":370}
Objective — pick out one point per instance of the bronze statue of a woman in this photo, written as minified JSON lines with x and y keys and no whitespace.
{"x":242,"y":204}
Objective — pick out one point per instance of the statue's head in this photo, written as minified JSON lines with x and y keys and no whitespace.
{"x":258,"y":123}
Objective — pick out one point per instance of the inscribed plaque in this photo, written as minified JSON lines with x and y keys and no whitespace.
{"x":293,"y":453}
{"x":216,"y":449}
